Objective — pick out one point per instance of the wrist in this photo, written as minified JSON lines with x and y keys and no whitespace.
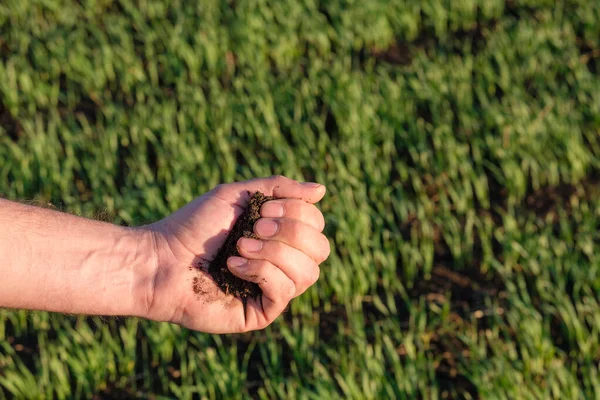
{"x":158,"y":269}
{"x":122,"y":282}
{"x":144,"y":271}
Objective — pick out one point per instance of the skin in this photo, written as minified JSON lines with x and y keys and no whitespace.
{"x":59,"y":262}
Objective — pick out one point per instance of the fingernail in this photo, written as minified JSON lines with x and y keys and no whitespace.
{"x":266,"y":228}
{"x":272,"y":210}
{"x":236,"y":262}
{"x":250,"y":244}
{"x":311,"y":184}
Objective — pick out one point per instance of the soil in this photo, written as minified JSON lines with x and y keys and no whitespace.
{"x":244,"y":226}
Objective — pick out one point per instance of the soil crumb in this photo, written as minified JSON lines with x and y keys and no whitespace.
{"x":229,"y":283}
{"x":198,"y":286}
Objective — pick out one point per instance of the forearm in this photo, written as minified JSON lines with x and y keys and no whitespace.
{"x":59,"y":262}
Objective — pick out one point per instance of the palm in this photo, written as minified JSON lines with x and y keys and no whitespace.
{"x":195,"y":235}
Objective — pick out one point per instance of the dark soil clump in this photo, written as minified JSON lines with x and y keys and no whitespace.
{"x":244,"y":226}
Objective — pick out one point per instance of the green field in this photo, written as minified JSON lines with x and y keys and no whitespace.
{"x":459,"y":141}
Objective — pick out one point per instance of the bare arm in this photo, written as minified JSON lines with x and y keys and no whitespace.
{"x":59,"y":262}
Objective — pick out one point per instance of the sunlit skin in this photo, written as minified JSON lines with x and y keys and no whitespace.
{"x":59,"y":262}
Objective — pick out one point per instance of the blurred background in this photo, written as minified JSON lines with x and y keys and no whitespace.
{"x":459,"y":141}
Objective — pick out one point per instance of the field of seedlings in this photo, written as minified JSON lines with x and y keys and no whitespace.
{"x":459,"y":141}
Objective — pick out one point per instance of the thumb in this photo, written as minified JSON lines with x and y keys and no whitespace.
{"x":277,"y":186}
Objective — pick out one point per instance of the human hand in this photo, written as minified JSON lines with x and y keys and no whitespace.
{"x":284,"y":262}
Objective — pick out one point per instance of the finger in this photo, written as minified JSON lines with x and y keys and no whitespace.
{"x":277,"y":186}
{"x":277,"y":290}
{"x":283,"y":187}
{"x":294,"y":209}
{"x":295,"y":233}
{"x":297,"y":266}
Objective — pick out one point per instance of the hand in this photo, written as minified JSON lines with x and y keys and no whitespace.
{"x":284,"y":262}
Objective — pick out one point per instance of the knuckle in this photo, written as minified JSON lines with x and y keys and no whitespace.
{"x":325,"y":248}
{"x":294,"y":232}
{"x":261,"y":267}
{"x":275,"y":250}
{"x":290,"y":290}
{"x":302,"y":209}
{"x":264,"y":323}
{"x":321,"y":220}
{"x":310,"y":276}
{"x":310,"y":212}
{"x":219,"y":189}
{"x":251,"y":267}
{"x":316,"y":275}
{"x":278,"y":178}
{"x":257,"y":265}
